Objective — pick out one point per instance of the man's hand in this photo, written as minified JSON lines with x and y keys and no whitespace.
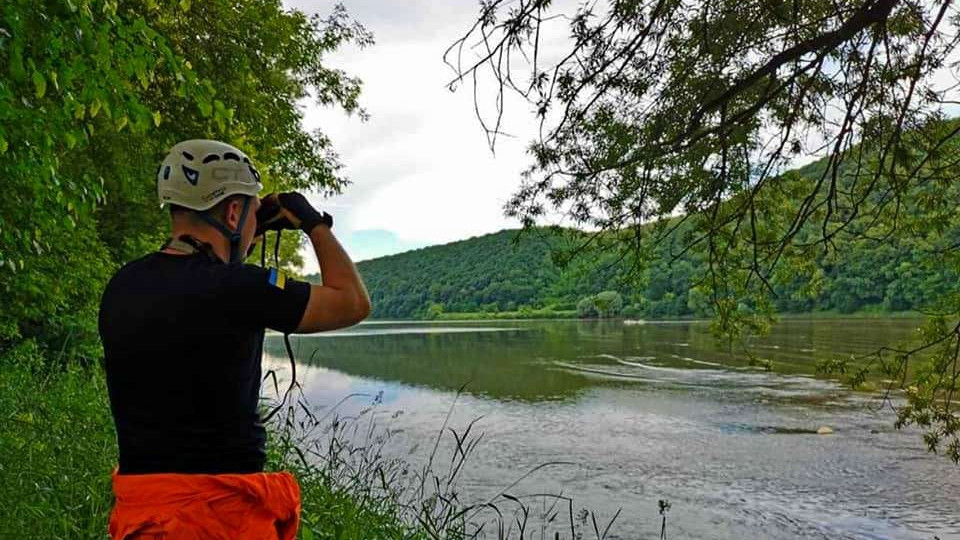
{"x":279,"y":211}
{"x":270,"y":216}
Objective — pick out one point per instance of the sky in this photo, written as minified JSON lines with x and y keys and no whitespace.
{"x":421,"y":170}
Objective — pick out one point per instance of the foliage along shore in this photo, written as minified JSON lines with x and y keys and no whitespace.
{"x":510,"y":274}
{"x":572,"y":314}
{"x":92,"y":95}
{"x":58,"y":450}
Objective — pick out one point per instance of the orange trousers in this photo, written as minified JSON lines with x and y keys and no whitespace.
{"x":167,"y":506}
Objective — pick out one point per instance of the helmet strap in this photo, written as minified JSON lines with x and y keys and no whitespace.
{"x":232,"y":235}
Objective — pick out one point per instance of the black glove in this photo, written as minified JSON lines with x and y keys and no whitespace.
{"x":289,"y":211}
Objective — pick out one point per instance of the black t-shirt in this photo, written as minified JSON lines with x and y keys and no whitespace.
{"x":182,"y":338}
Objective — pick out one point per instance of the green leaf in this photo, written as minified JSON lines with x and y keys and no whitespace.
{"x":40,"y":84}
{"x":17,"y":71}
{"x":122,"y":122}
{"x":3,"y":145}
{"x":185,"y":5}
{"x":143,"y":78}
{"x":157,"y":117}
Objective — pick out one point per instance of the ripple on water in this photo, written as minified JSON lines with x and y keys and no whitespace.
{"x":715,"y":377}
{"x":733,"y":448}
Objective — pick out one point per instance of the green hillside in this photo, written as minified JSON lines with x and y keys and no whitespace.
{"x":864,"y":269}
{"x":488,"y":273}
{"x":496,"y":273}
{"x":510,"y":274}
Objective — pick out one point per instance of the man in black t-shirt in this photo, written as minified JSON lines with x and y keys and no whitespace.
{"x":182,"y":331}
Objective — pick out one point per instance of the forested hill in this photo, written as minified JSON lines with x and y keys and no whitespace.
{"x":486,"y":273}
{"x":492,"y":274}
{"x":512,"y":272}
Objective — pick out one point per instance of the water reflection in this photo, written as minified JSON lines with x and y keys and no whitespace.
{"x":501,"y":363}
{"x":655,"y":411}
{"x":550,"y":360}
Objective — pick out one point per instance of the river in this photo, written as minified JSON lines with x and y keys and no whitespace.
{"x":639,"y":413}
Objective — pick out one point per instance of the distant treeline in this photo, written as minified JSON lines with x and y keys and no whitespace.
{"x":496,"y":273}
{"x":490,"y":274}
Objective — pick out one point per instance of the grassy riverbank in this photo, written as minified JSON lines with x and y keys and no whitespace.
{"x":57,"y":448}
{"x":57,"y":451}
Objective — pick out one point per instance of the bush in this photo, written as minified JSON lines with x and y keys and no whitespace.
{"x":609,"y":303}
{"x":633,"y":310}
{"x":603,"y":305}
{"x":586,"y":307}
{"x":434,"y":310}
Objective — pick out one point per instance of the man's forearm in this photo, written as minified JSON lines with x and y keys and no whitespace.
{"x":336,"y":267}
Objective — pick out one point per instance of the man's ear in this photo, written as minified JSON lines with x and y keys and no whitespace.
{"x":232,"y":214}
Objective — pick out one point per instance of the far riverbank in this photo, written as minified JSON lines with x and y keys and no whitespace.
{"x":547,"y":314}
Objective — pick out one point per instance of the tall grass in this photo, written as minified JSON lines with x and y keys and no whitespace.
{"x":58,"y":448}
{"x":348,"y":458}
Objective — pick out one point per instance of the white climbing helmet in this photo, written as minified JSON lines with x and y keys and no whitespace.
{"x":199,"y":173}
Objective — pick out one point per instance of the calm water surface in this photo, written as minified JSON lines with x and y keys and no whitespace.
{"x":648,"y":412}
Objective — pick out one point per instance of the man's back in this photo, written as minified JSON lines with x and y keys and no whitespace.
{"x":182,"y":333}
{"x":182,"y":338}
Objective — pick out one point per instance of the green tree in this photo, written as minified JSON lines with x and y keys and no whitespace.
{"x":434,"y":310}
{"x":587,"y":307}
{"x":608,"y":303}
{"x":92,"y":93}
{"x":655,"y":110}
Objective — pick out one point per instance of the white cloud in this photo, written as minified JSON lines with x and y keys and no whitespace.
{"x":420,"y":167}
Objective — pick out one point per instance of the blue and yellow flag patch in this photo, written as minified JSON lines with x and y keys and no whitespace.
{"x":277,"y":278}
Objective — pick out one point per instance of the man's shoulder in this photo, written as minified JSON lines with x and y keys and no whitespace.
{"x":129,"y":269}
{"x":135,"y":264}
{"x":263,"y":280}
{"x":257,"y":275}
{"x":233,"y":276}
{"x":155,"y":268}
